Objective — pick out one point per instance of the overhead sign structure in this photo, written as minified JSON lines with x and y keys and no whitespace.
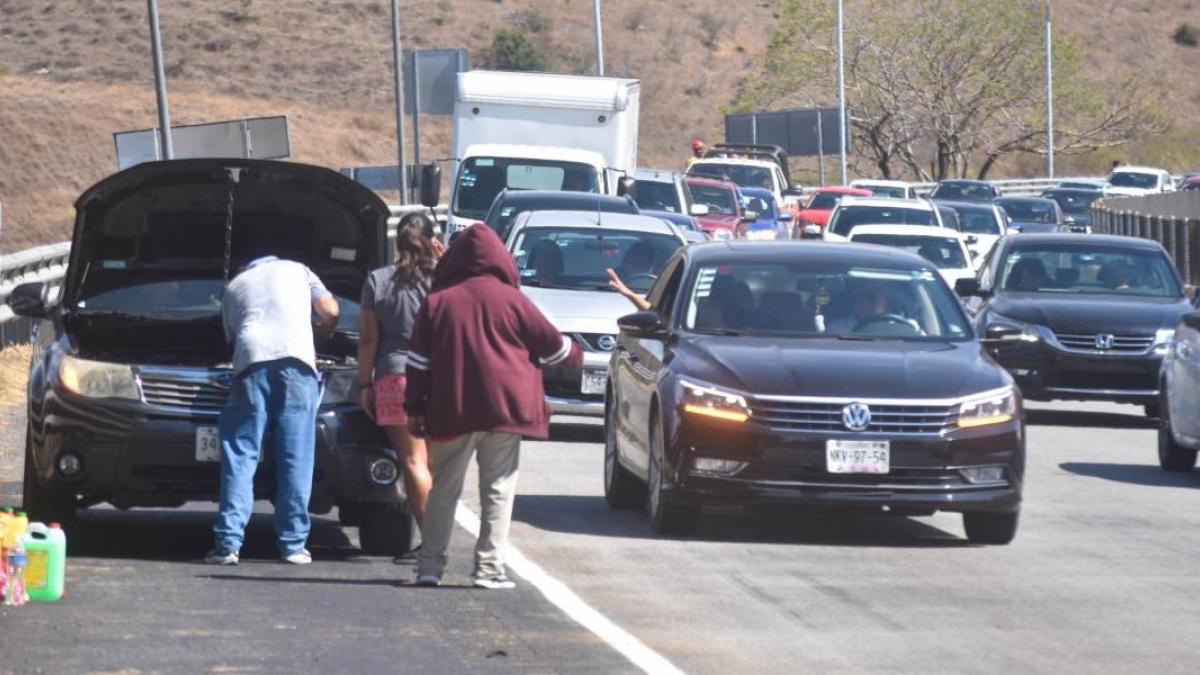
{"x":253,"y":138}
{"x":431,"y":85}
{"x":807,"y":132}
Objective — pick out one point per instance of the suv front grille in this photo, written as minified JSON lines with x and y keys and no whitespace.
{"x":1121,"y":344}
{"x":596,"y":342}
{"x":200,"y":393}
{"x":826,"y":416}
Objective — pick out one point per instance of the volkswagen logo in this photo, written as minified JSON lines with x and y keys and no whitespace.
{"x":606,"y":343}
{"x":1104,"y":341}
{"x":856,"y":417}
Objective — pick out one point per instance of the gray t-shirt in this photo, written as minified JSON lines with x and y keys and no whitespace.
{"x":395,"y":306}
{"x":267,"y":311}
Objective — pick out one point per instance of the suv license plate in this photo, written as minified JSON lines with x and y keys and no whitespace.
{"x":208,"y":444}
{"x":594,"y":381}
{"x":872,"y":457}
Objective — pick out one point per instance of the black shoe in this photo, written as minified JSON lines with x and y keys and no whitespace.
{"x":408,"y":557}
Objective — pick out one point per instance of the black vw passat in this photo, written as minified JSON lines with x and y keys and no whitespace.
{"x":1087,"y":318}
{"x":810,"y":374}
{"x":130,"y":366}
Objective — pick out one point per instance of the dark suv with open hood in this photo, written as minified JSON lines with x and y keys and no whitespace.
{"x":130,"y":366}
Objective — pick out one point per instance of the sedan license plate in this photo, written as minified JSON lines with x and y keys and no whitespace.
{"x":594,"y":381}
{"x":208,"y":444}
{"x":873,"y":457}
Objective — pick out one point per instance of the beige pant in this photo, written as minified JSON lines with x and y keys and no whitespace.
{"x":497,"y":458}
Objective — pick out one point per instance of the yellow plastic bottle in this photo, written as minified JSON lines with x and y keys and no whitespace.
{"x":46,"y":562}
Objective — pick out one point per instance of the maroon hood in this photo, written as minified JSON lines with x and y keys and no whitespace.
{"x":718,"y":221}
{"x":476,"y":252}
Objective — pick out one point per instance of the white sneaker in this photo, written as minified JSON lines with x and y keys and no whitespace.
{"x":220,"y":556}
{"x":499,"y":582}
{"x":429,"y":580}
{"x":301,"y":557}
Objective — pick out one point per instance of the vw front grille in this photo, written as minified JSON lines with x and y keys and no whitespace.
{"x":826,"y":416}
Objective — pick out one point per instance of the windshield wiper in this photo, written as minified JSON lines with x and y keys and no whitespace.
{"x":860,"y":338}
{"x":126,"y":316}
{"x":716,"y":331}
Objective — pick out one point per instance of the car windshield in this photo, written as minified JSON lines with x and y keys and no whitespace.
{"x":978,"y":221}
{"x":758,"y":205}
{"x":944,"y":252}
{"x":1030,"y":211}
{"x":971,"y":192}
{"x":184,"y":300}
{"x":824,"y":200}
{"x":1133,"y":179}
{"x":656,"y":196}
{"x":1074,"y":203}
{"x":846,"y":218}
{"x":717,"y":199}
{"x":1081,"y":269}
{"x":738,"y":174}
{"x":482,"y":178}
{"x":893,"y":191}
{"x":501,"y":216}
{"x":825,"y":299}
{"x":577,"y":258}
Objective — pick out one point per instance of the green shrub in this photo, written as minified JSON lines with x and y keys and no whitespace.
{"x":513,"y":50}
{"x":1187,"y":35}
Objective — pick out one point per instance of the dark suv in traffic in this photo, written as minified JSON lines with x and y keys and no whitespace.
{"x":130,"y":366}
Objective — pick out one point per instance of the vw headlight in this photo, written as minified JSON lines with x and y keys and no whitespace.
{"x":1162,"y":341}
{"x":341,"y":386}
{"x":97,"y":379}
{"x":1029,"y":331}
{"x":993,"y":408}
{"x":712,"y":402}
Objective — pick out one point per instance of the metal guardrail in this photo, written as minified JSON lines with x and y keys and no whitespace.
{"x":46,"y":264}
{"x":1172,"y":219}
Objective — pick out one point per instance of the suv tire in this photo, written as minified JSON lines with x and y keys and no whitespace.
{"x":621,"y":488}
{"x":1171,"y":455}
{"x":386,"y":528}
{"x":665,"y":517}
{"x":991,"y":528}
{"x":43,"y":504}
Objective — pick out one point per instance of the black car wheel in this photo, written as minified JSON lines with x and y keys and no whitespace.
{"x":350,"y":514}
{"x":621,"y":489}
{"x":665,"y":517}
{"x":991,"y":528}
{"x":1171,"y":455}
{"x":43,"y":504}
{"x":386,"y":528}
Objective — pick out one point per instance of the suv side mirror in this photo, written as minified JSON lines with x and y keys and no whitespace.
{"x":642,"y":324}
{"x":29,"y":300}
{"x":969,"y":287}
{"x":698,"y":210}
{"x":794,"y":190}
{"x":749,"y":216}
{"x":429,"y":184}
{"x":1192,"y":320}
{"x":625,"y":186}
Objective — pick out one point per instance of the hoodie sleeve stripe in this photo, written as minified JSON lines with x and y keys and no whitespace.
{"x":418,"y":358}
{"x":559,"y":356}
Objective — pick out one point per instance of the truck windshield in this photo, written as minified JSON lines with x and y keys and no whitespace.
{"x":482,"y":178}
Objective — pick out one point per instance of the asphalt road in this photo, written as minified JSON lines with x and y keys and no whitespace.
{"x":1101,"y":578}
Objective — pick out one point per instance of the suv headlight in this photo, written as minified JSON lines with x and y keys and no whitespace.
{"x":713,"y":402}
{"x":341,"y":386}
{"x":1162,"y":341}
{"x":995,"y":408}
{"x":1029,"y":331}
{"x":97,"y":379}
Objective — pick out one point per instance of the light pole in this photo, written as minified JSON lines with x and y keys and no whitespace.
{"x":398,"y":65}
{"x":160,"y":83}
{"x":1049,"y":97}
{"x":599,"y":41}
{"x":841,"y":84}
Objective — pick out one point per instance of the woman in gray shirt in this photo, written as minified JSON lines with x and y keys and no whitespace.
{"x":390,"y":300}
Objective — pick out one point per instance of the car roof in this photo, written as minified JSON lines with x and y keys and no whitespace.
{"x":745,"y":161}
{"x":710,"y":182}
{"x":1072,"y":191}
{"x":906,"y":230}
{"x":964,"y":181}
{"x":956,"y":204}
{"x":884,"y":202}
{"x":802,"y":251}
{"x":1137,"y":169}
{"x":757,"y":192}
{"x":841,"y":190}
{"x":584,"y":199}
{"x":1022,"y":241}
{"x":615,"y":221}
{"x":656,"y":175}
{"x":881,"y":182}
{"x":1013,"y":199}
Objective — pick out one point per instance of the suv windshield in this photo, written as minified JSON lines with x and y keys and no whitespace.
{"x":502,"y":214}
{"x":978,"y":221}
{"x":1133,"y":179}
{"x":1030,"y":211}
{"x":577,"y":258}
{"x":1084,"y":269}
{"x":758,"y":205}
{"x":656,"y":196}
{"x":739,"y":174}
{"x":482,"y":178}
{"x":945,"y":252}
{"x":884,"y":190}
{"x":823,"y":300}
{"x":824,"y":200}
{"x":846,"y":218}
{"x":717,"y":199}
{"x":971,"y":192}
{"x":1074,"y":203}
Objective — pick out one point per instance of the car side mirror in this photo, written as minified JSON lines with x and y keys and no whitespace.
{"x":1002,"y":332}
{"x":972,"y":239}
{"x":429,"y":184}
{"x":625,"y":186}
{"x":785,"y":217}
{"x":698,"y":210}
{"x":969,"y":287}
{"x":1012,"y":229}
{"x":812,"y":231}
{"x":794,"y":190}
{"x":29,"y":300}
{"x":1192,"y":320}
{"x":749,"y":216}
{"x":642,"y":324}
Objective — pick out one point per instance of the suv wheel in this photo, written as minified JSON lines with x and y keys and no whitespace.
{"x":1171,"y":455}
{"x":43,"y":504}
{"x":991,"y":528}
{"x":386,"y":528}
{"x":350,"y":514}
{"x":665,"y":517}
{"x":620,"y":487}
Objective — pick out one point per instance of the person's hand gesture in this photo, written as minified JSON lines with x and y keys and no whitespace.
{"x":439,"y":249}
{"x":615,"y":283}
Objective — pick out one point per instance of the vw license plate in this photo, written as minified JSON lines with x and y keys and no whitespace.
{"x":208,"y":444}
{"x":858,"y":456}
{"x":594,"y":381}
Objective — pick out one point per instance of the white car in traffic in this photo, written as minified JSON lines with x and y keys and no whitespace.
{"x":854,"y":212}
{"x":1138,"y":181}
{"x":897,"y":189}
{"x":946,"y":249}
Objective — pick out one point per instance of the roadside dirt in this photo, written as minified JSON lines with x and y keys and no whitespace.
{"x":14,"y":368}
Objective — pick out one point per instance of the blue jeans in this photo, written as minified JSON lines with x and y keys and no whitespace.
{"x":281,"y":398}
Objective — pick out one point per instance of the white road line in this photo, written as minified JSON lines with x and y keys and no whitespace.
{"x":573,"y":606}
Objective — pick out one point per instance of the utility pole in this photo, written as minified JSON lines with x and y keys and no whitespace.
{"x":398,"y":63}
{"x":1049,"y":97}
{"x":841,"y":83}
{"x":599,"y":41}
{"x":160,"y":83}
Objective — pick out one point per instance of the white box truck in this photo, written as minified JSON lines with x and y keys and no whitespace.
{"x":536,"y":131}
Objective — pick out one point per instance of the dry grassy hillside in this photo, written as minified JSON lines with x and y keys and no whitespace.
{"x":72,"y":72}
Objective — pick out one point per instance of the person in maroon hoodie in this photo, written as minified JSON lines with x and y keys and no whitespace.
{"x":474,"y":387}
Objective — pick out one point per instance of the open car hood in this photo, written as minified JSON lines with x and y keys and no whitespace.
{"x":165,"y":221}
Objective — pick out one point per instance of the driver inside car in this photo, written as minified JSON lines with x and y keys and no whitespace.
{"x":871,"y":306}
